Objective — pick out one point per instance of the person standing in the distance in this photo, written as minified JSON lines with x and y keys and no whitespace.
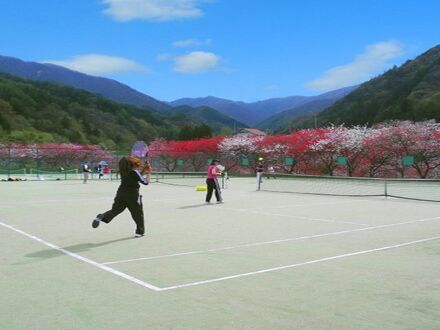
{"x":132,"y":172}
{"x":260,"y":172}
{"x":212,"y":182}
{"x":86,"y":170}
{"x":271,"y":172}
{"x":100,"y":171}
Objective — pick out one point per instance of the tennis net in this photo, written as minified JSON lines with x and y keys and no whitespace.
{"x":416,"y":189}
{"x":179,"y":178}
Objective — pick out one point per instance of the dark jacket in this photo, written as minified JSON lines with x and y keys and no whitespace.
{"x":131,"y":181}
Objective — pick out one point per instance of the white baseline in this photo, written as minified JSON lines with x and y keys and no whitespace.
{"x":84,"y":259}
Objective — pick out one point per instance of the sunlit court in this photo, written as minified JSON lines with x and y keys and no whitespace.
{"x":273,"y":258}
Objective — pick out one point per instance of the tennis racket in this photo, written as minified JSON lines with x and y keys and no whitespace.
{"x":140,"y":150}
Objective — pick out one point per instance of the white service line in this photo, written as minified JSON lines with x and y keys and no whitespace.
{"x":251,"y":210}
{"x":312,"y":204}
{"x":292,"y":216}
{"x":299,"y":264}
{"x":272,"y":242}
{"x":84,"y":259}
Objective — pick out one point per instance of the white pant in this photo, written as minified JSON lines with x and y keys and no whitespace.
{"x":259,"y":178}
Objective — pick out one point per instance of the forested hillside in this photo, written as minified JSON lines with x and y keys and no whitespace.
{"x":408,"y":92}
{"x":45,"y":112}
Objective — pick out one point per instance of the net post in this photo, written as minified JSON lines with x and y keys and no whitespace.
{"x":9,"y":161}
{"x":38,"y":164}
{"x":386,"y":188}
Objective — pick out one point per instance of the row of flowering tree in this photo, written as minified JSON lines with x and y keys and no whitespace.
{"x":51,"y":156}
{"x":397,"y":149}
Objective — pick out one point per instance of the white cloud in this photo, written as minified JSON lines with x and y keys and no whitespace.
{"x":372,"y":61}
{"x":153,"y":10}
{"x":191,"y":43}
{"x":197,"y":62}
{"x":96,"y":64}
{"x":163,"y":57}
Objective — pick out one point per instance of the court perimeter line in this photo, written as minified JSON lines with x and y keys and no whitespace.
{"x":299,"y":264}
{"x":86,"y":260}
{"x":271,"y":242}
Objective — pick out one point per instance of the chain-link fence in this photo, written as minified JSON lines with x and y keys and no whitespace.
{"x":56,"y":162}
{"x":65,"y":161}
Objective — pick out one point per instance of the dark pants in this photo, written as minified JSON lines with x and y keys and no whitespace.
{"x":132,"y":201}
{"x":213,"y":186}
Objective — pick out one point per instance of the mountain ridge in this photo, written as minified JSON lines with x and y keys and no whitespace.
{"x":105,"y":87}
{"x":258,"y":113}
{"x":41,"y":111}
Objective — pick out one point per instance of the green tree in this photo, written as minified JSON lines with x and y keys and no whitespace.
{"x":186,"y":133}
{"x":226,"y":131}
{"x":201,"y":131}
{"x":29,"y":137}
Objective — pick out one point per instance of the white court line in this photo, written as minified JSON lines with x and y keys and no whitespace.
{"x":299,"y":264}
{"x":272,"y":242}
{"x":73,"y":200}
{"x":297,"y":205}
{"x":86,"y":260}
{"x":42,"y":202}
{"x":293,"y":216}
{"x":312,"y":204}
{"x":155,"y":288}
{"x":282,"y":215}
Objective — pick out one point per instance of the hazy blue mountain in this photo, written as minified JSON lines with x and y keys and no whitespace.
{"x":214,"y":118}
{"x":235,"y":109}
{"x":249,"y":113}
{"x":313,"y":105}
{"x":108,"y":88}
{"x":282,"y":120}
{"x":275,"y":105}
{"x":254,"y":113}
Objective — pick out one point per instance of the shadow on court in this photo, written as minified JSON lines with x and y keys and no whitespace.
{"x":192,"y":206}
{"x":52,"y":253}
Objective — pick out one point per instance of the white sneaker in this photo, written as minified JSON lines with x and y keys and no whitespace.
{"x":139,"y":235}
{"x":219,"y":202}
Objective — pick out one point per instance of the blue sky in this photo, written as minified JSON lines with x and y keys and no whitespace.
{"x":237,"y":49}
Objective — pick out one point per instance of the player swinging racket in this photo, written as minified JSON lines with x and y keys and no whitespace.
{"x":132,"y":172}
{"x":212,"y":182}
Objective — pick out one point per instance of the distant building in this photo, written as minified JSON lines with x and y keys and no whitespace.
{"x":251,"y":132}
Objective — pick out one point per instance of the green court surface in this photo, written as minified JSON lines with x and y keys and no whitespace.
{"x":261,"y":260}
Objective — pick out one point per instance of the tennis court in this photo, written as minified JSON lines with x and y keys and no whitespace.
{"x":261,"y":260}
